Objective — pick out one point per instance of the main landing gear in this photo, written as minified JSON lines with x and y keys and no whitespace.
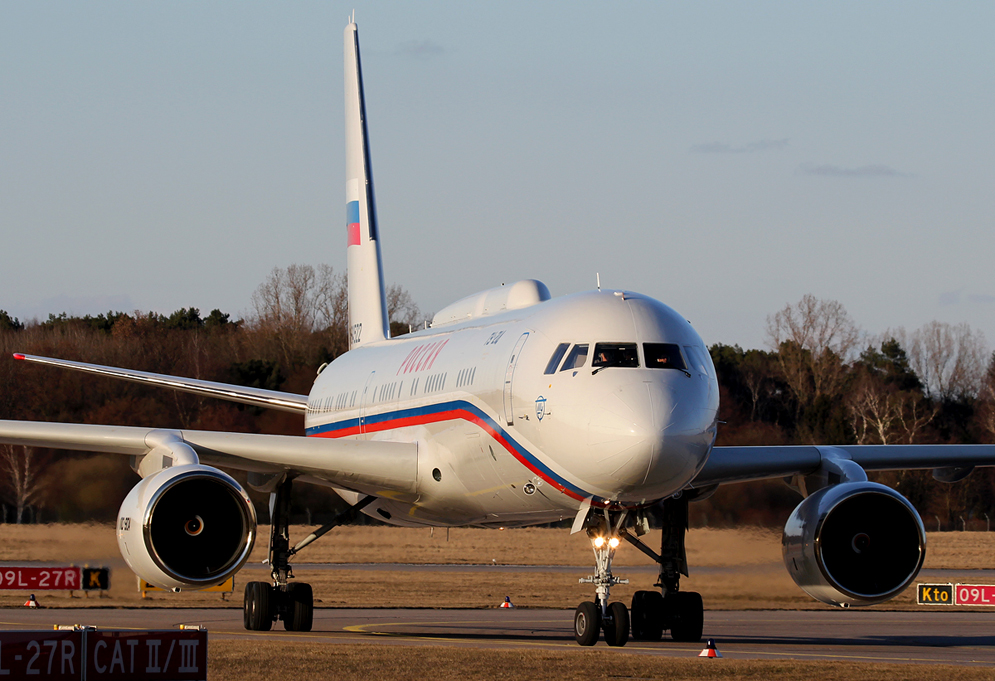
{"x":266,"y":603}
{"x":653,"y":612}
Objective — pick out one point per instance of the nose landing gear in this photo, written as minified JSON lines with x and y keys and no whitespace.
{"x":613,"y":618}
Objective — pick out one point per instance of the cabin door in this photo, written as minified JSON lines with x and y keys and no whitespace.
{"x":509,"y":375}
{"x":365,"y":401}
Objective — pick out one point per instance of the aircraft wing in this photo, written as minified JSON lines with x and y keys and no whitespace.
{"x":258,"y":397}
{"x":738,"y":464}
{"x":370,"y":467}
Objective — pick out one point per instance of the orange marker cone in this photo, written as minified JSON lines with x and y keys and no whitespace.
{"x":710,"y":650}
{"x":507,"y":602}
{"x":31,"y":602}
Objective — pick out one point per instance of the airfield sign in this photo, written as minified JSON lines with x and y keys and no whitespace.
{"x":955,"y":594}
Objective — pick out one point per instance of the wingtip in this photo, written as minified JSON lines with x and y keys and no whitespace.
{"x":18,"y":355}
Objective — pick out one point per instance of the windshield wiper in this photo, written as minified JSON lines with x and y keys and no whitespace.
{"x":608,"y":363}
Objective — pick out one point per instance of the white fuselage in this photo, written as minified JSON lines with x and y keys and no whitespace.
{"x":503,"y":442}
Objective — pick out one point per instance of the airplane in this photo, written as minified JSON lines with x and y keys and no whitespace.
{"x":512,"y":408}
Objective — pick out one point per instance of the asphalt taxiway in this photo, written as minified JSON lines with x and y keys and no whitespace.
{"x":924,"y":637}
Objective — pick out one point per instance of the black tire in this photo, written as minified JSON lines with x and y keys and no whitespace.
{"x":689,"y":617}
{"x":257,"y":613}
{"x":300,"y":608}
{"x":587,"y":623}
{"x":617,"y":627}
{"x":646,"y":615}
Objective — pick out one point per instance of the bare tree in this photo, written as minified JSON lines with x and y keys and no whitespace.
{"x":950,"y":359}
{"x":333,"y":299}
{"x":401,"y":308}
{"x":757,"y":371}
{"x":915,"y":413}
{"x":287,"y":306}
{"x":302,"y":307}
{"x":23,"y":480}
{"x":874,"y":412}
{"x":986,"y":398}
{"x":813,"y":340}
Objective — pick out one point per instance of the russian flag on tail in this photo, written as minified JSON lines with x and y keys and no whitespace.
{"x":352,"y":222}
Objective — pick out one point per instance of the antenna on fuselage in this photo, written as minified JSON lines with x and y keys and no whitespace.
{"x":598,"y":275}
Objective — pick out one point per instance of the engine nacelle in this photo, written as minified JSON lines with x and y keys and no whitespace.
{"x":856,"y":543}
{"x":186,"y":527}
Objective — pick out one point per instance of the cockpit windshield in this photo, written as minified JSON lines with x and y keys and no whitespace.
{"x":664,"y":356}
{"x":615,"y":355}
{"x":554,"y":361}
{"x":577,"y":357}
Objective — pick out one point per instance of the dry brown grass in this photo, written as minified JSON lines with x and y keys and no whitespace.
{"x":761,"y":581}
{"x":263,"y":659}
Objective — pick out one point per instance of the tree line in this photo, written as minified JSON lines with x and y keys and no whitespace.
{"x":820,"y":379}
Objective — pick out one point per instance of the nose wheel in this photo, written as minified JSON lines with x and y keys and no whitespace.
{"x":592,"y":618}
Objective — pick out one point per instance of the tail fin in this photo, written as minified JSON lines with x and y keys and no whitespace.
{"x":367,"y":303}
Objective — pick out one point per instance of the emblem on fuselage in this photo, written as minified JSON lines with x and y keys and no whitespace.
{"x":540,"y":407}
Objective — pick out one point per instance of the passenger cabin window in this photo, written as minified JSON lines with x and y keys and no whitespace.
{"x":577,"y":358}
{"x":554,"y":361}
{"x":615,"y":355}
{"x":664,"y":356}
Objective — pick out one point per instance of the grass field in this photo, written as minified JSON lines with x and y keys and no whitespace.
{"x":759,"y":580}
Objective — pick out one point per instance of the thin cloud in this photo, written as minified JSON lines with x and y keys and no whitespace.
{"x":956,"y":297}
{"x":751,"y":148}
{"x":948,"y":298}
{"x":827,"y":170}
{"x":419,"y":49}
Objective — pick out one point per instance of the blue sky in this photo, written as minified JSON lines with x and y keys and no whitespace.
{"x":726,"y":158}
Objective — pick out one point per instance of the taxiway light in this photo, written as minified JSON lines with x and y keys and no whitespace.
{"x":599,"y":542}
{"x":613,"y":542}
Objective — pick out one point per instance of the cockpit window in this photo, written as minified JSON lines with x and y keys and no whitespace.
{"x":697,"y":358}
{"x":615,"y":355}
{"x":554,"y":361}
{"x":664,"y":356}
{"x":577,"y":357}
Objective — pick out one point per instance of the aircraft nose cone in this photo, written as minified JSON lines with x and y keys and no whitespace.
{"x":647,"y":440}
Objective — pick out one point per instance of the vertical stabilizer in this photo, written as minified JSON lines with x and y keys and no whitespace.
{"x":367,"y":303}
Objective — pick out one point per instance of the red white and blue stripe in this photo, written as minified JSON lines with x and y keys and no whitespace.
{"x":451,"y":411}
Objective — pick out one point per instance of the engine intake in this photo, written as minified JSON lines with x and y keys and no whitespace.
{"x":856,"y":543}
{"x":186,"y":527}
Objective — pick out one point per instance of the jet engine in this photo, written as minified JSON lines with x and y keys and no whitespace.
{"x":855,"y":543}
{"x":186,"y":527}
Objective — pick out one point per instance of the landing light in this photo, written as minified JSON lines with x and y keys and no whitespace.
{"x":599,"y":542}
{"x":613,"y":542}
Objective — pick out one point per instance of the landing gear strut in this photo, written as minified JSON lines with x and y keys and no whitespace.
{"x":266,"y":603}
{"x":681,"y":612}
{"x":591,"y":618}
{"x":293,"y":603}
